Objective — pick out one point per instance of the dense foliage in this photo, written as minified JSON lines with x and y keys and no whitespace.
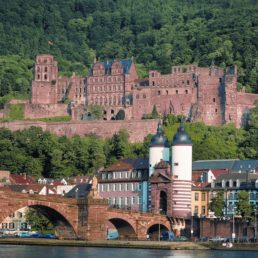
{"x":158,"y":33}
{"x":41,"y":153}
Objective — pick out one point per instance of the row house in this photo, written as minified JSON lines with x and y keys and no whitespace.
{"x":123,"y":183}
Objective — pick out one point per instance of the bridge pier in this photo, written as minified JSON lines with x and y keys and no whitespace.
{"x":96,"y":219}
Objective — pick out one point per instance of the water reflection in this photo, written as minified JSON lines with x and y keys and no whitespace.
{"x":13,"y":251}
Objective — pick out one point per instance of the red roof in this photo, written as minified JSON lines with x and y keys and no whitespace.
{"x":218,"y":172}
{"x":22,"y":179}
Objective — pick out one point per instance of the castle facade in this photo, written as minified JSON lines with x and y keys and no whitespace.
{"x":201,"y":94}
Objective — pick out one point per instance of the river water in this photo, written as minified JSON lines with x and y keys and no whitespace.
{"x":25,"y":251}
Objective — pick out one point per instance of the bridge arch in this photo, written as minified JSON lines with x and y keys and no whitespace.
{"x":155,"y":230}
{"x":63,"y":228}
{"x":63,"y":213}
{"x":125,"y":229}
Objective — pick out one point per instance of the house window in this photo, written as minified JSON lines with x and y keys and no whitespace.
{"x":196,"y":196}
{"x":11,"y":225}
{"x":203,"y":210}
{"x":195,"y":210}
{"x":203,"y":196}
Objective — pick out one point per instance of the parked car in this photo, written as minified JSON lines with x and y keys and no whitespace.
{"x":181,"y":238}
{"x":217,"y":239}
{"x":167,"y":236}
{"x":112,"y":235}
{"x":23,"y":234}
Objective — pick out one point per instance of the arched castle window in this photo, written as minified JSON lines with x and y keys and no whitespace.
{"x":38,"y":76}
{"x":176,"y":91}
{"x":214,"y":100}
{"x":186,"y":91}
{"x":45,"y":77}
{"x":45,"y":68}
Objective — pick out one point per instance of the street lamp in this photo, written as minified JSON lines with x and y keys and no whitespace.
{"x":255,"y":223}
{"x":192,"y":226}
{"x":233,"y":231}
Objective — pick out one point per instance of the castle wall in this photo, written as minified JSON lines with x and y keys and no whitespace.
{"x":137,"y":129}
{"x":245,"y":101}
{"x":44,"y":110}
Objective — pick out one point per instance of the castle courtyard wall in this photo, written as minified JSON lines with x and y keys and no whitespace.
{"x":137,"y":129}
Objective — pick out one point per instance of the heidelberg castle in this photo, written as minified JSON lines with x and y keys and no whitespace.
{"x":201,"y":94}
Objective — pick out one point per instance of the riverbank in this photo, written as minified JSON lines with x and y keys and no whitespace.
{"x":162,"y":245}
{"x":111,"y":244}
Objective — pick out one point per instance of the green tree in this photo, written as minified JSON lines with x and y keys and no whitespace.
{"x":243,"y":206}
{"x":38,"y":221}
{"x":120,"y":115}
{"x":217,"y":204}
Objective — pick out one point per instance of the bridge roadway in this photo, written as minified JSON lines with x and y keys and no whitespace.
{"x":86,"y":218}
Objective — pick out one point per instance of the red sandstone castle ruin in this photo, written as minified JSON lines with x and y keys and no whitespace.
{"x":201,"y":94}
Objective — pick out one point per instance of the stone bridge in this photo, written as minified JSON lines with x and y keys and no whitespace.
{"x":86,"y":218}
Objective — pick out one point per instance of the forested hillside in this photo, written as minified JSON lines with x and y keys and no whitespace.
{"x":158,"y":33}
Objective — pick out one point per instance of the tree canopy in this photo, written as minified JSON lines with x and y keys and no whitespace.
{"x":168,"y":32}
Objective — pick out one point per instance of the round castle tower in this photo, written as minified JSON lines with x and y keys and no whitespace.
{"x":159,"y":149}
{"x":181,"y":165}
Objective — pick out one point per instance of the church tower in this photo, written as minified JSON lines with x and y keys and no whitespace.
{"x":181,"y":165}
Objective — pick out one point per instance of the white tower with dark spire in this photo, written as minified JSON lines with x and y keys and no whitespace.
{"x":159,"y":149}
{"x":181,"y":165}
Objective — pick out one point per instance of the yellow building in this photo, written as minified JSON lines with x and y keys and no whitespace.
{"x":200,"y":202}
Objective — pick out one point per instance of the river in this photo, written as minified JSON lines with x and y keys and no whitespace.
{"x":26,"y":251}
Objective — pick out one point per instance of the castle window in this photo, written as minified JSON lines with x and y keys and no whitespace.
{"x":38,"y":69}
{"x":153,"y":83}
{"x":137,"y":96}
{"x":216,"y":110}
{"x":158,"y":92}
{"x":152,"y":74}
{"x":45,"y":77}
{"x":38,"y":76}
{"x":176,"y":91}
{"x":187,"y":82}
{"x":167,"y":92}
{"x":214,"y":100}
{"x":144,"y":96}
{"x":45,"y":69}
{"x":45,"y":60}
{"x":186,"y":91}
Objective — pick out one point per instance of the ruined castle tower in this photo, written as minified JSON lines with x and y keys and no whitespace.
{"x":44,"y":85}
{"x":210,"y":95}
{"x":230,"y":84}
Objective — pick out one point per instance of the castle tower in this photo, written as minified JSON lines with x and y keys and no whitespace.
{"x":230,"y":84}
{"x":182,"y":173}
{"x":159,"y":149}
{"x":44,"y":85}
